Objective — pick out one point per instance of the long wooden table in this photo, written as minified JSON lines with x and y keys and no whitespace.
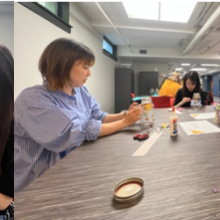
{"x":179,"y":176}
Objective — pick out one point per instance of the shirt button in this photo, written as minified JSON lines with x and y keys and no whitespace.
{"x":73,"y":101}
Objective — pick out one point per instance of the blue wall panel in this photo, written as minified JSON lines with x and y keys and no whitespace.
{"x":208,"y":86}
{"x":215,"y":84}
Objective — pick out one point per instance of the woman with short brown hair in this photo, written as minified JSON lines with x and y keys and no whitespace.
{"x":58,"y":116}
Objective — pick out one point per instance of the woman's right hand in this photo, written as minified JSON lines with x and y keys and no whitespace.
{"x":186,"y":99}
{"x":133,"y":115}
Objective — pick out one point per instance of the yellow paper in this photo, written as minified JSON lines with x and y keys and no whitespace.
{"x":196,"y":132}
{"x":169,"y":88}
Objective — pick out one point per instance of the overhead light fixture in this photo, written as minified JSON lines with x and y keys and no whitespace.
{"x":160,"y":11}
{"x":179,"y":69}
{"x":142,"y":10}
{"x":185,"y":64}
{"x":198,"y":69}
{"x":177,"y":11}
{"x":210,"y":65}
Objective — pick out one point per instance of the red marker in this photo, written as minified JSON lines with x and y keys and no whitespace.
{"x":132,"y":95}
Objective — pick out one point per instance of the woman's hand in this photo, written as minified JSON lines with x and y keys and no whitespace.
{"x":130,"y":118}
{"x":186,"y":99}
{"x":132,"y":106}
{"x":133,"y":115}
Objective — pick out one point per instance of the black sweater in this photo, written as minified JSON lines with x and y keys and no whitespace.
{"x":179,"y":97}
{"x":7,"y":177}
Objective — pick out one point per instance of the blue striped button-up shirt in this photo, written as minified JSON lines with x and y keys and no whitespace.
{"x":49,"y":124}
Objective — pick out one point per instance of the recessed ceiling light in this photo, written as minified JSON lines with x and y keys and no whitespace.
{"x":198,"y":69}
{"x":185,"y":64}
{"x":179,"y":69}
{"x":210,"y":65}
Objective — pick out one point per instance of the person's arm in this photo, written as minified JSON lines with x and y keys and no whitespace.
{"x":130,"y":118}
{"x":112,"y":127}
{"x":184,"y":100}
{"x":97,"y":114}
{"x":116,"y":117}
{"x":4,"y":201}
{"x":113,"y":117}
{"x":179,"y":100}
{"x":56,"y":129}
{"x":59,"y":130}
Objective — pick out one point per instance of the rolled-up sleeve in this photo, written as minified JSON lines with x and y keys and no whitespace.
{"x":93,"y":128}
{"x":96,"y":112}
{"x":57,"y":129}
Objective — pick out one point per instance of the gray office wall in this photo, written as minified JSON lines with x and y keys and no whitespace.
{"x":146,"y":81}
{"x":124,"y":85}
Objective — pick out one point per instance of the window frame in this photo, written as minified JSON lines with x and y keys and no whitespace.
{"x":114,"y":48}
{"x":50,"y":16}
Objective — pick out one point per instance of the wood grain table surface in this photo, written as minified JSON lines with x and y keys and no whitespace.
{"x":179,"y":175}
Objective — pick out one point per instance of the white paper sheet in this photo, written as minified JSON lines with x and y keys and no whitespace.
{"x":176,"y":110}
{"x":203,"y":116}
{"x":198,"y":127}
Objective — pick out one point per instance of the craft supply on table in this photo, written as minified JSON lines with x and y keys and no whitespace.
{"x":162,"y":126}
{"x":214,"y":190}
{"x":177,"y":110}
{"x":196,"y":104}
{"x":148,"y":110}
{"x":217,"y":114}
{"x":199,"y":127}
{"x":173,"y":124}
{"x":143,"y":136}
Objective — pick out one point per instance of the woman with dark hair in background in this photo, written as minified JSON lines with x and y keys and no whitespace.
{"x":191,"y":85}
{"x":6,"y":130}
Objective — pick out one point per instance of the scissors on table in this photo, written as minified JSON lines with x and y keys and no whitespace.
{"x":143,"y":136}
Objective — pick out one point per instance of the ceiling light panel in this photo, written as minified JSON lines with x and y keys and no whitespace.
{"x":142,"y":10}
{"x":185,"y":64}
{"x":177,"y":11}
{"x":198,"y":69}
{"x":169,"y":11}
{"x":210,"y":65}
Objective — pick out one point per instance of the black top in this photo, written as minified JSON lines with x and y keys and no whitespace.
{"x":179,"y":97}
{"x":7,"y":177}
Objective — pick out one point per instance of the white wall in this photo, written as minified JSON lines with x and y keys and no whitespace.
{"x":7,"y":25}
{"x":33,"y":33}
{"x":124,"y":51}
{"x":145,"y":67}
